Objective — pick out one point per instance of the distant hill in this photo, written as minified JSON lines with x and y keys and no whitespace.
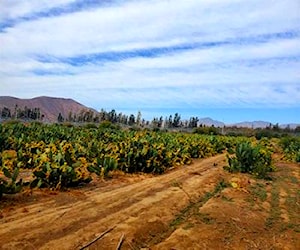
{"x":291,"y":125}
{"x":50,"y":107}
{"x":254,"y":124}
{"x":247,"y":124}
{"x":210,"y":122}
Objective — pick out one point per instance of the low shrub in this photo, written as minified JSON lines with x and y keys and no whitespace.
{"x":255,"y":160}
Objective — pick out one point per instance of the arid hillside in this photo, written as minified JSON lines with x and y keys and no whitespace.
{"x":50,"y":107}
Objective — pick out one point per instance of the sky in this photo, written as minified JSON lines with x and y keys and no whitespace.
{"x":231,"y":60}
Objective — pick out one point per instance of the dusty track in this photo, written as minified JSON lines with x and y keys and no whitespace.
{"x":69,"y":220}
{"x":182,"y":209}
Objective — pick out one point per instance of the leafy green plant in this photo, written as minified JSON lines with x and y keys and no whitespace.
{"x":9,"y":172}
{"x":255,"y":160}
{"x":10,"y":185}
{"x":291,"y":147}
{"x":60,"y":155}
{"x":103,"y":166}
{"x":58,"y":168}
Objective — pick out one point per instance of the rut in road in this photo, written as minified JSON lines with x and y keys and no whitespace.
{"x":69,"y":224}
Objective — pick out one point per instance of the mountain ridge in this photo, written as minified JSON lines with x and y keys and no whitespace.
{"x":207,"y":121}
{"x":51,"y":107}
{"x":253,"y":124}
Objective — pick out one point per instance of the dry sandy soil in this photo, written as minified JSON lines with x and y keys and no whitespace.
{"x":191,"y":207}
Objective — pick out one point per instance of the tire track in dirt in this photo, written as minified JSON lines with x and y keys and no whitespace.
{"x":54,"y":224}
{"x":251,"y":217}
{"x":283,"y":210}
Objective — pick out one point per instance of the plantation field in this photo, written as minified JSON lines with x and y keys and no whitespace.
{"x":60,"y":156}
{"x":199,"y":206}
{"x":71,"y":187}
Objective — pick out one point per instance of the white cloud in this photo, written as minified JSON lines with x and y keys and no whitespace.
{"x":148,"y":23}
{"x":13,"y":9}
{"x":221,"y":74}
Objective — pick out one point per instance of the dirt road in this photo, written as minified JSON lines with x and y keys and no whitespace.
{"x":188,"y":208}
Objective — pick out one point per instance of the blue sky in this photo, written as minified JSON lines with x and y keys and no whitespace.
{"x":231,"y":60}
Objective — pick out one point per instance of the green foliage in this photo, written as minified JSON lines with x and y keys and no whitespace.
{"x":90,"y":126}
{"x":102,"y":167}
{"x":255,"y":160}
{"x":10,"y":185}
{"x":61,"y":156}
{"x":9,"y":172}
{"x":291,"y":147}
{"x":58,"y":167}
{"x":207,"y":130}
{"x":263,"y":133}
{"x":108,"y":125}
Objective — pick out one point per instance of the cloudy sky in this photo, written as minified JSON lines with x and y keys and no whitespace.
{"x":232,"y":60}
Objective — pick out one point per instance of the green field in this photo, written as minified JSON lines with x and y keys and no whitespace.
{"x":60,"y":156}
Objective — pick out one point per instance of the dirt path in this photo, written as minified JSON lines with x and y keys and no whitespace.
{"x":68,"y":220}
{"x":187,"y":208}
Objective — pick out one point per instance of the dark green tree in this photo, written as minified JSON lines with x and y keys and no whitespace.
{"x":60,"y":118}
{"x":131,"y":120}
{"x":176,"y":120}
{"x":5,"y":113}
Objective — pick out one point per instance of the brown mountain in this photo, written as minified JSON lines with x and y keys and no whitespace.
{"x":50,"y":107}
{"x":254,"y":124}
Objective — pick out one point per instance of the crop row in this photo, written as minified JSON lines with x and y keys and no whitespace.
{"x":291,"y":148}
{"x":60,"y":156}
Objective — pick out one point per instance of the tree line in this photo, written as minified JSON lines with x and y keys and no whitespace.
{"x":21,"y":113}
{"x":174,"y":122}
{"x":89,"y":116}
{"x":168,"y":122}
